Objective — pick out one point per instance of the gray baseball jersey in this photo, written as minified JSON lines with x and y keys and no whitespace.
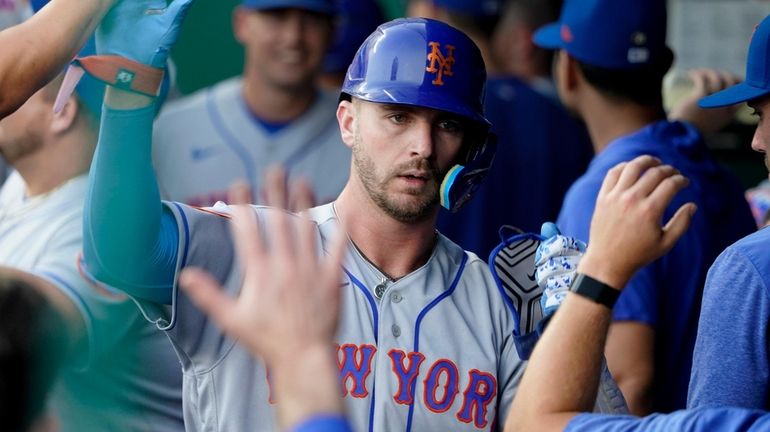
{"x":431,"y":351}
{"x":203,"y":143}
{"x":129,"y":378}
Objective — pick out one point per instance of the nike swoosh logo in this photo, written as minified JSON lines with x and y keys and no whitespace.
{"x":199,"y":154}
{"x":532,"y":276}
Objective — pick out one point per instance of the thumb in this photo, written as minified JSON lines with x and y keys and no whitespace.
{"x":677,"y":225}
{"x":549,"y":229}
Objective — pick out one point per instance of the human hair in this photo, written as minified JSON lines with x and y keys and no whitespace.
{"x":535,"y":13}
{"x":31,"y":347}
{"x":642,"y":86}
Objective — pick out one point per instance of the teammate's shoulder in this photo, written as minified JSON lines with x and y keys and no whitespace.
{"x":753,"y":247}
{"x":196,"y":101}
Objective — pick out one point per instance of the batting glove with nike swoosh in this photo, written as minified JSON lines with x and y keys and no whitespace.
{"x":142,"y":30}
{"x":556,"y":261}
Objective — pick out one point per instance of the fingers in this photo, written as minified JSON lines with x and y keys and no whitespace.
{"x":677,"y":225}
{"x":634,"y":169}
{"x":611,"y":178}
{"x":276,"y":195}
{"x":708,"y":81}
{"x":651,"y":178}
{"x":665,"y":191}
{"x":249,"y":245}
{"x":549,"y":229}
{"x":301,"y":196}
{"x":208,"y":295}
{"x":331,"y":272}
{"x":239,"y":193}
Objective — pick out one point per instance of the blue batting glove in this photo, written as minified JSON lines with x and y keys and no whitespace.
{"x":141,"y":30}
{"x":556,"y":261}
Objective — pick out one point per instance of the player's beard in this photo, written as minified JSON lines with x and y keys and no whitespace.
{"x":423,"y":200}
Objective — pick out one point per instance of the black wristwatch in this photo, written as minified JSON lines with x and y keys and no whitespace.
{"x":596,"y":291}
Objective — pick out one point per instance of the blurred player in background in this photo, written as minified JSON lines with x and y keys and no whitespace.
{"x":609,"y":70}
{"x":356,"y":20}
{"x":120,"y":375}
{"x":273,"y":114}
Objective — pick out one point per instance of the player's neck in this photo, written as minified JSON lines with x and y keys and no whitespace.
{"x":50,"y":167}
{"x":276,"y":105}
{"x":607,"y":121}
{"x":396,"y":248}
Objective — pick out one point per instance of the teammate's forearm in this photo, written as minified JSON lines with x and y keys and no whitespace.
{"x":562,"y":376}
{"x":38,"y":49}
{"x":126,"y":242}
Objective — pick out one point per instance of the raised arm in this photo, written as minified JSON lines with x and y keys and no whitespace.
{"x":563,"y":373}
{"x":130,"y":241}
{"x":37,"y":50}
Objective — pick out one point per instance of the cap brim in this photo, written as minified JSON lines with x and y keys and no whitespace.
{"x":549,"y":36}
{"x":738,"y":93}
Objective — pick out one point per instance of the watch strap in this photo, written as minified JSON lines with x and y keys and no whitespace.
{"x":595,"y":290}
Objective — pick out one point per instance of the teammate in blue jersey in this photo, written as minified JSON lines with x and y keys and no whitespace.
{"x":541,"y":148}
{"x":541,"y":151}
{"x":425,"y":336}
{"x":731,"y":362}
{"x":609,"y":68}
{"x":273,"y":114}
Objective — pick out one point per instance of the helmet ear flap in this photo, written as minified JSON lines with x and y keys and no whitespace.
{"x":462,"y":181}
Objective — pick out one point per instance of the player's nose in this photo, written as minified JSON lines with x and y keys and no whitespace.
{"x":761,"y":135}
{"x":421,"y":139}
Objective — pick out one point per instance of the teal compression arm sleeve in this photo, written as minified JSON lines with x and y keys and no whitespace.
{"x":129,"y":240}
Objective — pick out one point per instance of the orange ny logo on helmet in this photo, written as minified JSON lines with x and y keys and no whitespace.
{"x":439,"y":64}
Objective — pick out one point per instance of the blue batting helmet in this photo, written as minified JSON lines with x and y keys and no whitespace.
{"x":430,"y":64}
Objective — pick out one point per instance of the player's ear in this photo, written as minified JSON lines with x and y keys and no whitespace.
{"x":240,"y":24}
{"x":346,"y":117}
{"x":570,"y":71}
{"x":65,"y":119}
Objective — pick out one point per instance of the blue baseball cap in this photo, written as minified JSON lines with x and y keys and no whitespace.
{"x":356,"y":21}
{"x":474,"y":8}
{"x":757,"y":83}
{"x":322,"y":6}
{"x":612,"y":34}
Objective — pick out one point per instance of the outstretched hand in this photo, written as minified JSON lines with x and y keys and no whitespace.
{"x":626,"y":232}
{"x":142,"y":30}
{"x":290,"y":298}
{"x":706,"y":82}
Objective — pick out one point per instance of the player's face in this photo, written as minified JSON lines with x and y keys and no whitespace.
{"x":284,"y":47}
{"x":401,"y":155}
{"x":23,"y":132}
{"x":761,"y":140}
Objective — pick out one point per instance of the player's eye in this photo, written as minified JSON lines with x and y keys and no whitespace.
{"x":450,"y":125}
{"x":398,"y":118}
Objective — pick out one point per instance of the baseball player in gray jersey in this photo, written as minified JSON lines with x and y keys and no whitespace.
{"x":425,"y":336}
{"x":273,"y":114}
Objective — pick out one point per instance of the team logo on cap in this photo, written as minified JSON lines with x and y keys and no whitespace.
{"x":440,"y":64}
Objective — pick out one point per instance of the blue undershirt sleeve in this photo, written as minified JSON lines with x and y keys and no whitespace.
{"x":129,"y":240}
